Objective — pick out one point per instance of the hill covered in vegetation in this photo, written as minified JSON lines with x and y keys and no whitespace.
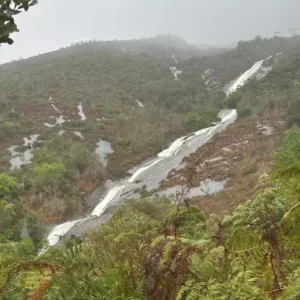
{"x":56,"y":108}
{"x":138,"y":95}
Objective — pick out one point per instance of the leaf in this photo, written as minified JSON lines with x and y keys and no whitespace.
{"x":9,"y":28}
{"x":35,"y":278}
{"x":33,"y":2}
{"x":6,"y":39}
{"x":12,"y":12}
{"x":25,"y":6}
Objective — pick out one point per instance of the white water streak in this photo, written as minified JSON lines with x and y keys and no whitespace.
{"x":79,"y":134}
{"x":55,"y":108}
{"x":139,"y":103}
{"x":242,"y":80}
{"x":59,"y":231}
{"x":141,"y":170}
{"x":112,"y":194}
{"x":81,"y":113}
{"x":175,"y":72}
{"x":175,"y":59}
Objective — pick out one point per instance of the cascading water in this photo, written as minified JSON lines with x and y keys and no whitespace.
{"x":243,"y":79}
{"x":152,"y":172}
{"x":149,"y":174}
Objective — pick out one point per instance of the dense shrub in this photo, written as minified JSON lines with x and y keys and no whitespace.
{"x":195,"y":121}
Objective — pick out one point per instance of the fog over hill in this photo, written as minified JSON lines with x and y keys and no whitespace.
{"x":54,"y":24}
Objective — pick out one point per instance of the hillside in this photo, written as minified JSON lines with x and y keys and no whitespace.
{"x":97,"y":109}
{"x":163,"y":46}
{"x":82,"y":119}
{"x":108,"y":84}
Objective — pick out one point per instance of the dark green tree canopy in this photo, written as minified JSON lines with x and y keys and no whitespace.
{"x":8,"y":9}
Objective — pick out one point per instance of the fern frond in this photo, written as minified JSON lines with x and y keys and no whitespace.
{"x":292,"y":292}
{"x":245,"y":243}
{"x":158,"y":241}
{"x":203,"y":242}
{"x":167,"y":254}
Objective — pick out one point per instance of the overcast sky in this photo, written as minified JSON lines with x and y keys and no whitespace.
{"x":56,"y":23}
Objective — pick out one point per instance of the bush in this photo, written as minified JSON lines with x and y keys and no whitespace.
{"x":195,"y":121}
{"x":50,"y":172}
{"x":8,"y":129}
{"x":49,"y":177}
{"x":74,"y":155}
{"x":244,"y":112}
{"x":233,"y":100}
{"x":35,"y":228}
{"x":9,"y":186}
{"x":9,"y":222}
{"x":123,"y":142}
{"x":293,"y":113}
{"x":79,"y":158}
{"x":54,"y":150}
{"x":243,"y":109}
{"x":288,"y":160}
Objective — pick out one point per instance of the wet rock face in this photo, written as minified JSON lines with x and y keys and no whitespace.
{"x":206,"y":187}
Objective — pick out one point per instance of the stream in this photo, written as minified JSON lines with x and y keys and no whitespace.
{"x":150,"y":173}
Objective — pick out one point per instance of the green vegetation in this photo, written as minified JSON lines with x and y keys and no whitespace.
{"x":228,"y":65}
{"x":198,"y":120}
{"x":8,"y":9}
{"x":13,"y":218}
{"x":153,"y":250}
{"x":108,"y":78}
{"x":277,"y":92}
{"x":107,"y":83}
{"x":54,"y":187}
{"x":59,"y":167}
{"x":149,"y":249}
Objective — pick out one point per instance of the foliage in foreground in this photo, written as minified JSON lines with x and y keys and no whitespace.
{"x":150,"y":251}
{"x":8,"y":9}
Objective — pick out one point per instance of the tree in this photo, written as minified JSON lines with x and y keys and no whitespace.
{"x":8,"y":226}
{"x":8,"y":9}
{"x":9,"y":187}
{"x":49,"y":177}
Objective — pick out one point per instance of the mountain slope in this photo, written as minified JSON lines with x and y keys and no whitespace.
{"x":108,"y":84}
{"x":56,"y":107}
{"x":140,"y":102}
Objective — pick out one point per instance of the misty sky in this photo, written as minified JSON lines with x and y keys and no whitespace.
{"x":56,"y":23}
